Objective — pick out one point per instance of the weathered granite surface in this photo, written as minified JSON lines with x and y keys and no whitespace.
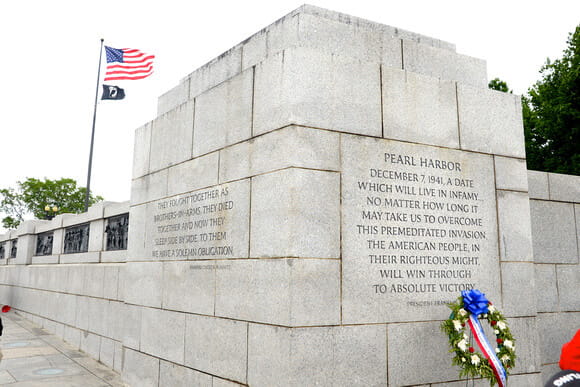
{"x":303,"y":208}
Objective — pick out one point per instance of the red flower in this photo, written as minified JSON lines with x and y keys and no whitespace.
{"x":499,"y":341}
{"x":6,"y":308}
{"x":493,"y":322}
{"x":471,"y":349}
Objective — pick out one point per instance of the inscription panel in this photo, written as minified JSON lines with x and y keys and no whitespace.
{"x":419,"y":226}
{"x":211,"y":223}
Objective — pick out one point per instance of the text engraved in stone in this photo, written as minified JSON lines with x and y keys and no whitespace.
{"x":423,"y":223}
{"x":194,"y":225}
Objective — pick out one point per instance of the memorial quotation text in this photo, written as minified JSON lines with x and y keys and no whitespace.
{"x":196,"y":225}
{"x":422,"y":223}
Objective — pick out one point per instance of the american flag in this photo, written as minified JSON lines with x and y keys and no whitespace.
{"x":127,"y":63}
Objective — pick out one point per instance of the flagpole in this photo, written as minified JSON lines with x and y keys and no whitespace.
{"x":88,"y":193}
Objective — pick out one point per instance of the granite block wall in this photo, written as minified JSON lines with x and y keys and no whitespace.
{"x":260,"y":243}
{"x":276,"y":207}
{"x":331,"y":32}
{"x":78,"y":296}
{"x":555,"y":224}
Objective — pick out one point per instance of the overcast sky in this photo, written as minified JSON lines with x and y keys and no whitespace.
{"x":50,"y":53}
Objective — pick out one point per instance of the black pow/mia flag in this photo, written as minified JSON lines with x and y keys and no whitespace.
{"x":112,"y":92}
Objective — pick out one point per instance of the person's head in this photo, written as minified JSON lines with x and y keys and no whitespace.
{"x":570,"y":356}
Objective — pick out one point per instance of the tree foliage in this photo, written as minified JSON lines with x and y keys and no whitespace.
{"x":33,"y":195}
{"x":499,"y":85}
{"x":13,"y":207}
{"x":551,"y":114}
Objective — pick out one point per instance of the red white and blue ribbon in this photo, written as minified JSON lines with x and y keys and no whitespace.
{"x":488,"y":352}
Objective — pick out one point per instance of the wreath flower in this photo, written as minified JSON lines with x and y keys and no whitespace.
{"x":466,"y":312}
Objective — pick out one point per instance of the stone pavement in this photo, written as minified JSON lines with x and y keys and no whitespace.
{"x":30,"y":356}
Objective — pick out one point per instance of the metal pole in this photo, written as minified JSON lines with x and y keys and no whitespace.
{"x":88,"y":193}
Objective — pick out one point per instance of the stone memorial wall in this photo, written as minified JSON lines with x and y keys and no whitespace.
{"x":75,"y":295}
{"x":555,"y":212}
{"x":302,"y":210}
{"x":317,"y":194}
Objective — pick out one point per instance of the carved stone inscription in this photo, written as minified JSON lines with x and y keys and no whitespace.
{"x":419,"y":226}
{"x":207,"y":224}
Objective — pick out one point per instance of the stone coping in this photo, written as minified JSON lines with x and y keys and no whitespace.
{"x":96,"y":216}
{"x":554,"y":186}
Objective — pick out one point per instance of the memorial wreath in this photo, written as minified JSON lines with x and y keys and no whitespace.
{"x":493,"y":365}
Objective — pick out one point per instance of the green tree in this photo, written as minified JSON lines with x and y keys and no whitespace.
{"x":13,"y":207}
{"x":33,"y":195}
{"x":551,"y":114}
{"x":499,"y":85}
